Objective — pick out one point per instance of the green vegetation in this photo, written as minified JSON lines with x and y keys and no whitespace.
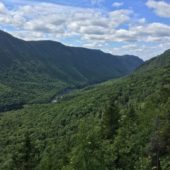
{"x":35,"y":71}
{"x":122,"y":124}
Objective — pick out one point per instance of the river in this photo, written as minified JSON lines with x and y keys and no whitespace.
{"x":61,"y":94}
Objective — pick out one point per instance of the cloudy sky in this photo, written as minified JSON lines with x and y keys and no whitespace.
{"x":138,"y":27}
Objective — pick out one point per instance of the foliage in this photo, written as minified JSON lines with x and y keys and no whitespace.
{"x":121,"y":124}
{"x":36,"y":71}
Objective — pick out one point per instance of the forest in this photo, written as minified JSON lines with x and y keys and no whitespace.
{"x":120,"y":124}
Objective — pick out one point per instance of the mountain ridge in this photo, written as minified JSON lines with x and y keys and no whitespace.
{"x":37,"y":70}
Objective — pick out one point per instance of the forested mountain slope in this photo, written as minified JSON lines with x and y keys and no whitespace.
{"x":35,"y":71}
{"x":122,"y":124}
{"x":156,"y":62}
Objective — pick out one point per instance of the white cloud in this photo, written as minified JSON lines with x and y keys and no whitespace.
{"x":65,"y":20}
{"x":161,"y":8}
{"x":93,"y":27}
{"x":36,"y":35}
{"x":2,"y":8}
{"x":147,"y":50}
{"x":119,"y":17}
{"x":117,"y":4}
{"x":152,"y":32}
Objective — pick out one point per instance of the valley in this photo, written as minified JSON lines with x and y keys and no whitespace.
{"x":35,"y":71}
{"x":103,"y":126}
{"x":84,"y":85}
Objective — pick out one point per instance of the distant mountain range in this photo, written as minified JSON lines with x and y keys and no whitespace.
{"x":34,"y":71}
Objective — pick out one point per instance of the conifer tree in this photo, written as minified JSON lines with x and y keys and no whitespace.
{"x":110,"y":120}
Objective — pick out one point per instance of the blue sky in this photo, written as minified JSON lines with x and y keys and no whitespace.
{"x":138,"y":27}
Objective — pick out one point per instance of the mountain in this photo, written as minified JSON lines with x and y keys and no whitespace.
{"x":35,"y":71}
{"x":119,"y":124}
{"x":160,"y":61}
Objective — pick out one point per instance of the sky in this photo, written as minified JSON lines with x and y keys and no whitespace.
{"x":137,"y":27}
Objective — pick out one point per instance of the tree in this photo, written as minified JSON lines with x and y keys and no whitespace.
{"x":87,"y":153}
{"x":110,"y":120}
{"x":24,"y":157}
{"x":156,"y":147}
{"x":165,"y":84}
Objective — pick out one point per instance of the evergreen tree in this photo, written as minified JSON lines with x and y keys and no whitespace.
{"x":110,"y":120}
{"x":165,"y":84}
{"x":87,"y":154}
{"x":24,"y":157}
{"x":156,"y":146}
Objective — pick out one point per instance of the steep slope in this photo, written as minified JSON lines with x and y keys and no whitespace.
{"x":160,"y":61}
{"x":121,"y":124}
{"x":34,"y":71}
